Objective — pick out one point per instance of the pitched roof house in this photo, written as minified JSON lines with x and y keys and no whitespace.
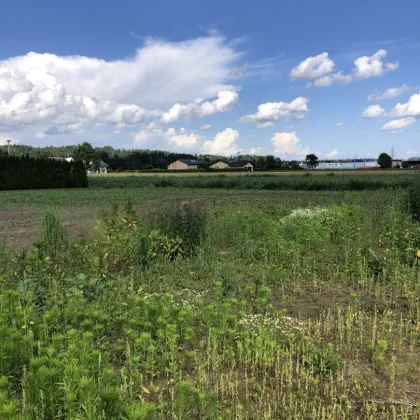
{"x":188,"y":164}
{"x":233,"y":164}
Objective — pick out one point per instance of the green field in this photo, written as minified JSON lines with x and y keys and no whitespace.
{"x":210,"y":302}
{"x":302,"y":181}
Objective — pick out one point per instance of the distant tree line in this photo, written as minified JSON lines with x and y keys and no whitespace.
{"x":142,"y":159}
{"x":24,"y":173}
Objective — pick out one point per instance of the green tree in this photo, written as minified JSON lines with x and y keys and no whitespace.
{"x":271,"y":162}
{"x":312,"y":161}
{"x":385,"y":161}
{"x":87,"y":154}
{"x":261,"y":162}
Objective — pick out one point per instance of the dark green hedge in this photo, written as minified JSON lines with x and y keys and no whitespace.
{"x":25,"y":173}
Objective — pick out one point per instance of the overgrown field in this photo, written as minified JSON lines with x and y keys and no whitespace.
{"x":212,"y":307}
{"x":303,"y":181}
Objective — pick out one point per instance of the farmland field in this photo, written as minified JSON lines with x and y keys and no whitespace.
{"x":303,"y":181}
{"x":181,"y":173}
{"x":210,"y":303}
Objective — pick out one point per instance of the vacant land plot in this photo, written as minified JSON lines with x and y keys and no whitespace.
{"x":209,"y":304}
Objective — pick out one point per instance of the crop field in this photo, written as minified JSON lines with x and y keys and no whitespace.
{"x":182,"y":173}
{"x":303,"y":181}
{"x":136,"y":302}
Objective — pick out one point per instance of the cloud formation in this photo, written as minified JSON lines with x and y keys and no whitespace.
{"x":272,"y":111}
{"x":409,"y":109}
{"x":389,"y":93}
{"x":199,"y":109}
{"x":313,"y":68}
{"x":340,"y":125}
{"x":398,"y":124}
{"x":288,"y":144}
{"x":320,"y":67}
{"x":224,"y":143}
{"x":332,"y":154}
{"x":66,"y":93}
{"x":373,"y":111}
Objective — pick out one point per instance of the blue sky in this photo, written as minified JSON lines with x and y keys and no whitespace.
{"x":336,"y":78}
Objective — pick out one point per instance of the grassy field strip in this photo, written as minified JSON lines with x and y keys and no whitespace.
{"x":260,"y":173}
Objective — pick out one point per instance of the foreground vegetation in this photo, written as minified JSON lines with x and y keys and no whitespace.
{"x":197,"y":308}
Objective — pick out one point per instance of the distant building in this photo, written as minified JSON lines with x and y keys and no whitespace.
{"x":102,"y":168}
{"x":345,"y":164}
{"x":233,"y":164}
{"x":188,"y":164}
{"x":414,"y":162}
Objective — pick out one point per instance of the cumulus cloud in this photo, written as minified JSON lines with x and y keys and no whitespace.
{"x":398,"y":124}
{"x":373,"y":111}
{"x":340,"y":125}
{"x":199,"y":109}
{"x":409,"y":109}
{"x":158,"y":75}
{"x":288,"y":144}
{"x":41,"y":89}
{"x":224,"y":143}
{"x":182,"y":139}
{"x":389,"y":93}
{"x":205,"y":127}
{"x":332,"y":154}
{"x":273,"y":111}
{"x":257,"y":151}
{"x":364,"y":68}
{"x":313,"y":68}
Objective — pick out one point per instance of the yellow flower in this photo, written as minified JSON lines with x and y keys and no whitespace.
{"x":418,"y":253}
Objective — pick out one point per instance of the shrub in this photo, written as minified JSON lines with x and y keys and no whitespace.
{"x":414,"y":200}
{"x":186,"y":221}
{"x":53,"y":235}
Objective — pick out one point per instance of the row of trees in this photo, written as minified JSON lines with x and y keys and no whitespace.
{"x":24,"y":173}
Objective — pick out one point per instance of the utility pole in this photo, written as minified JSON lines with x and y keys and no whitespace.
{"x":8,"y":146}
{"x":392,"y":152}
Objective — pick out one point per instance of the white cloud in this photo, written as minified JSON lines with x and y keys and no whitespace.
{"x":288,"y":144}
{"x":340,"y":125}
{"x":273,"y":111}
{"x":373,"y":111}
{"x":398,"y":124}
{"x":199,"y":109}
{"x":389,"y":93}
{"x":313,"y":68}
{"x":158,"y":75}
{"x":258,"y":151}
{"x":224,"y":143}
{"x":42,"y":89}
{"x":332,"y":154}
{"x":267,"y":124}
{"x":182,"y":140}
{"x":409,"y":109}
{"x":364,"y":68}
{"x":205,"y":127}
